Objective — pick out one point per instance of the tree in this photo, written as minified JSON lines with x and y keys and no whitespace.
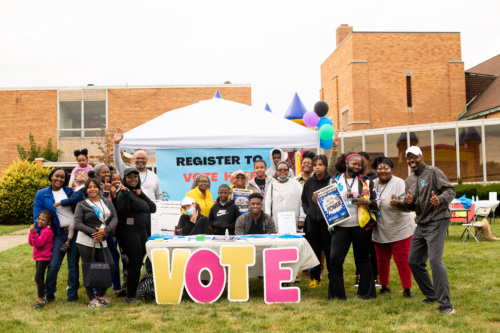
{"x":35,"y":151}
{"x":106,"y":148}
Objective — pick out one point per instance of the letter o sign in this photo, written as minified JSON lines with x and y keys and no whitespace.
{"x":204,"y":259}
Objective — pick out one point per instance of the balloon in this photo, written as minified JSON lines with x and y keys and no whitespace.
{"x":311,"y":119}
{"x":321,"y":108}
{"x":326,"y":132}
{"x":323,"y":121}
{"x":326,"y":144}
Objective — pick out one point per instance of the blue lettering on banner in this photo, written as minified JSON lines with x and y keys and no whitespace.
{"x":177,"y":168}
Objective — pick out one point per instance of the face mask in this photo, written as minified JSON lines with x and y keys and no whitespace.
{"x":352,"y":173}
{"x":189,"y":212}
{"x":283,"y":179}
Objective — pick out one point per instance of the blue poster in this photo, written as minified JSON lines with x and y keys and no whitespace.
{"x":332,"y":205}
{"x":177,"y":168}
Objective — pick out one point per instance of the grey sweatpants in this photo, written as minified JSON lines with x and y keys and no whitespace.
{"x":428,"y":243}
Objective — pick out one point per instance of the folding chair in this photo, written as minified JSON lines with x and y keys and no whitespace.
{"x":480,"y":212}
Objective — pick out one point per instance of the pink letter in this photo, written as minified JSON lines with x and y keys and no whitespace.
{"x":204,"y":259}
{"x":274,"y":274}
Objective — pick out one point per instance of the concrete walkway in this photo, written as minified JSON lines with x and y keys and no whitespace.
{"x":14,"y":239}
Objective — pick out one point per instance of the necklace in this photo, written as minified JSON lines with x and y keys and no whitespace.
{"x":347,"y":185}
{"x":385,"y":186}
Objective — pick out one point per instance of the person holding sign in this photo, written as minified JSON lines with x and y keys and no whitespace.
{"x":428,"y":193}
{"x":200,"y":192}
{"x":318,"y":234}
{"x":358,"y":193}
{"x":393,"y":232}
{"x":192,"y":222}
{"x":255,"y":221}
{"x":239,"y":192}
{"x":284,"y":196}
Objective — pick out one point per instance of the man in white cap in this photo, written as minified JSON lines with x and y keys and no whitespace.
{"x":429,"y":193}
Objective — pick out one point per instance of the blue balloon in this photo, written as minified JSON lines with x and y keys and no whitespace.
{"x":326,"y":144}
{"x":324,"y":121}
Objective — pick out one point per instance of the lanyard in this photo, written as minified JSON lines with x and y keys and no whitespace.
{"x":380,"y":193}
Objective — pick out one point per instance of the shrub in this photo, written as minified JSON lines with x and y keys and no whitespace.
{"x":35,"y":151}
{"x":18,"y":187}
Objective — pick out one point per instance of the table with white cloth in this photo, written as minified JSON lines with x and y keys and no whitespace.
{"x":307,"y":259}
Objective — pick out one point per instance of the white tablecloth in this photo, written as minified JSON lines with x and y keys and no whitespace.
{"x":307,"y":258}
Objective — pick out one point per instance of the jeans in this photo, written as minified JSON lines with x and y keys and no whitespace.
{"x":116,"y":259}
{"x":55,"y":265}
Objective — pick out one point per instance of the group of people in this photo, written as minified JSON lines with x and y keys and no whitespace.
{"x":109,"y":206}
{"x":104,"y":216}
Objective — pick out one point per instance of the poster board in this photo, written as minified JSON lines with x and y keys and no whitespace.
{"x":240,"y":198}
{"x":166,"y":217}
{"x":332,"y":205}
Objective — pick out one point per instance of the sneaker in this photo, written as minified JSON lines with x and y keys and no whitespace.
{"x":356,"y":282}
{"x":429,"y":300}
{"x":50,"y":298}
{"x":377,"y":285}
{"x":407,"y":293}
{"x":314,"y":284}
{"x":385,"y":290}
{"x":39,"y":305}
{"x":446,"y":310}
{"x":104,"y":300}
{"x":94,"y":303}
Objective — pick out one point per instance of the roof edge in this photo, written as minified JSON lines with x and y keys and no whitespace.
{"x":243,"y":85}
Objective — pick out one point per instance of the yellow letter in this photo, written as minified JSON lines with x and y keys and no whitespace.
{"x":169,"y":285}
{"x":238,"y":258}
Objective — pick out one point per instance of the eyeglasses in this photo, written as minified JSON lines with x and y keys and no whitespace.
{"x":282,"y":170}
{"x":141,"y":158}
{"x":203,"y":181}
{"x":240,"y":177}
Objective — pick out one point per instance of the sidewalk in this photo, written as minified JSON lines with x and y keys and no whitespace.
{"x":14,"y":239}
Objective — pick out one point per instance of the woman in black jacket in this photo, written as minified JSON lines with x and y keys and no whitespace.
{"x":94,"y":218}
{"x":317,"y":230}
{"x":192,"y":222}
{"x":133,"y":207}
{"x":358,"y":194}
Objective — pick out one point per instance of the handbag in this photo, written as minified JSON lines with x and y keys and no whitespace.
{"x":97,"y":274}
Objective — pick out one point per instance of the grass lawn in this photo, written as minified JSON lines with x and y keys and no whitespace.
{"x":7,"y":229}
{"x":472,"y":270}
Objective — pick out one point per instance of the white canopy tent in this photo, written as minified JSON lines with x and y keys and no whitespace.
{"x":219,"y":123}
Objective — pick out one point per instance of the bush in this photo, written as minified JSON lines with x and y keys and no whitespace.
{"x":35,"y":151}
{"x":18,"y":187}
{"x":482,"y":191}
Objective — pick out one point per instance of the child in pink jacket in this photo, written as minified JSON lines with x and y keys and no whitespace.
{"x":42,"y":251}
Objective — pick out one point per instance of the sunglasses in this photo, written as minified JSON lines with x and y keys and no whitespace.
{"x":282,"y":170}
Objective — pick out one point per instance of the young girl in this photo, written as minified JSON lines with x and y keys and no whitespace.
{"x":80,"y":172}
{"x":42,"y":251}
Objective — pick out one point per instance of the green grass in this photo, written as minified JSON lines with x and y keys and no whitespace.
{"x":472,"y":270}
{"x":7,"y":229}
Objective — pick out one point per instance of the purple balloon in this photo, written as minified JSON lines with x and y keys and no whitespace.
{"x":311,"y":119}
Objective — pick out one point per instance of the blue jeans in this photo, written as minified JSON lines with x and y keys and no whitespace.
{"x":116,"y":259}
{"x":55,"y":265}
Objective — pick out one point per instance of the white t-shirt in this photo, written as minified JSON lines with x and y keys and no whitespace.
{"x":353,"y":210}
{"x":86,"y":240}
{"x":150,"y":184}
{"x":64,"y":214}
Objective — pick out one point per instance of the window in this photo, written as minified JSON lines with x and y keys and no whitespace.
{"x":345,"y":120}
{"x":82,"y":118}
{"x":409,"y":101}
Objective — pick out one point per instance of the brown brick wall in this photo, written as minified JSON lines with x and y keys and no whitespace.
{"x":23,"y":112}
{"x":378,"y":89}
{"x":35,"y":111}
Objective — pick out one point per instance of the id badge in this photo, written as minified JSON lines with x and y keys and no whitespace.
{"x":349,"y":203}
{"x":130,"y":221}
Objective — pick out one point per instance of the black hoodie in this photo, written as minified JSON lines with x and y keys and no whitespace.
{"x":312,"y":209}
{"x":223,"y":217}
{"x":133,"y":209}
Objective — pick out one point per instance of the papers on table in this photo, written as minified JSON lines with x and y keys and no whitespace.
{"x":332,"y":205}
{"x":286,"y":223}
{"x":166,"y":217}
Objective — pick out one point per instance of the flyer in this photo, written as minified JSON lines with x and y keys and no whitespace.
{"x":332,"y":205}
{"x":286,"y":223}
{"x":240,"y":197}
{"x":166,"y":217}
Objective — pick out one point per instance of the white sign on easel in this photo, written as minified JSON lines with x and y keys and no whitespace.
{"x":286,"y":223}
{"x":166,"y":217}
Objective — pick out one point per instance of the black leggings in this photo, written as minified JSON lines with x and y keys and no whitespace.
{"x":86,"y":255}
{"x":133,"y":240}
{"x":41,"y":267}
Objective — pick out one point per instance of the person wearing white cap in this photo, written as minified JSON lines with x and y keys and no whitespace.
{"x":192,"y":222}
{"x":429,"y":193}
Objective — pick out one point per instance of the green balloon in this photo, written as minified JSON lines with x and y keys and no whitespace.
{"x":326,"y":132}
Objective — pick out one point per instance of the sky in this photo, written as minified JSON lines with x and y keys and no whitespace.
{"x":277,"y":46}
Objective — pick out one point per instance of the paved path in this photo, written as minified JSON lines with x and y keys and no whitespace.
{"x":14,"y":239}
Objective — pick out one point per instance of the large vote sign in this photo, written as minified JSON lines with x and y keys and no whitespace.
{"x":177,"y":168}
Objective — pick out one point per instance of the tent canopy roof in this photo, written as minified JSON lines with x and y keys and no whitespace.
{"x":219,"y":123}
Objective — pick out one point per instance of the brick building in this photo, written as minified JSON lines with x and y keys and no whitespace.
{"x":385,"y":79}
{"x":73,"y":116}
{"x":483,"y":90}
